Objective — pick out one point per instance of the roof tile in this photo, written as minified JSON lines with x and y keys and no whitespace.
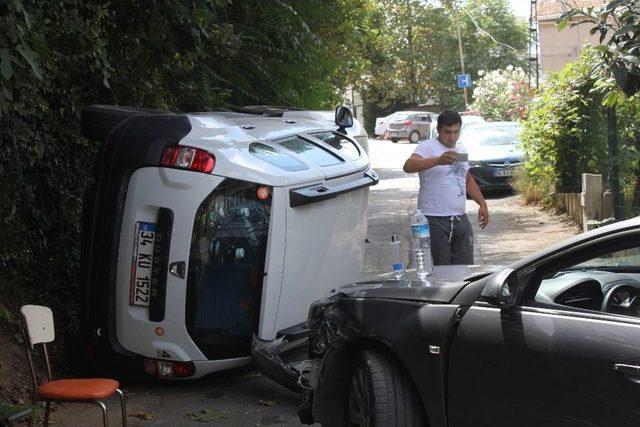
{"x":558,"y":7}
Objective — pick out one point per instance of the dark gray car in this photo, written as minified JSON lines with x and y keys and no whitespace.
{"x":552,"y":340}
{"x":414,"y":127}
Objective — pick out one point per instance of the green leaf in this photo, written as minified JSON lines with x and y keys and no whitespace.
{"x":6,"y":69}
{"x":32,"y":59}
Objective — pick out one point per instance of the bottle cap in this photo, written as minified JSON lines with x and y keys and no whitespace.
{"x":418,"y":211}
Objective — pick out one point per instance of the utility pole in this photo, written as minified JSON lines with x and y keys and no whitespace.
{"x":534,"y":45}
{"x":466,"y":99}
{"x":453,"y":10}
{"x":412,"y":62}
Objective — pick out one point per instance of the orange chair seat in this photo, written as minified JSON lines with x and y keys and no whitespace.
{"x":78,"y":389}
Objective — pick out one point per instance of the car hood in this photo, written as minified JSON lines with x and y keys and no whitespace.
{"x":441,"y":286}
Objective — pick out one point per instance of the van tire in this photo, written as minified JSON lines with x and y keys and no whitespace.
{"x":394,"y":140}
{"x":381,"y":393}
{"x":414,"y":137}
{"x":96,"y":121}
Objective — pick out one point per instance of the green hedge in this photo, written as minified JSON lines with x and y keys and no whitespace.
{"x":566,"y":132}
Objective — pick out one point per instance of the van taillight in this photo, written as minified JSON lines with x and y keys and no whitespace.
{"x":169,"y":369}
{"x":407,"y":123}
{"x":184,"y":157}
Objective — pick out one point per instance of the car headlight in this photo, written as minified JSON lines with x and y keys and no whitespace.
{"x":316,"y":311}
{"x":475,"y":163}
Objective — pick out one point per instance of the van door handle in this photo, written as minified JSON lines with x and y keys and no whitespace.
{"x":630,"y":370}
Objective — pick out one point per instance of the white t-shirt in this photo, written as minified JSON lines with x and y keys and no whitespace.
{"x":443,"y":188}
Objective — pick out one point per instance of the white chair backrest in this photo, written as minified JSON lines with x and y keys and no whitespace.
{"x":39,"y":323}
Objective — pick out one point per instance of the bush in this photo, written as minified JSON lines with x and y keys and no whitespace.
{"x":502,"y":95}
{"x":566,"y":132}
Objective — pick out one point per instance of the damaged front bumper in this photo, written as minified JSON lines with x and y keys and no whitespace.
{"x":300,"y":376}
{"x":296,"y":376}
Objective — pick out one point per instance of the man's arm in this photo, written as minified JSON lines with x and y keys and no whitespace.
{"x":417,"y":163}
{"x":476,"y":195}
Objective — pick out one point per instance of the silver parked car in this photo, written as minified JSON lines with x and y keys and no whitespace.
{"x":382,"y":123}
{"x":413,"y":127}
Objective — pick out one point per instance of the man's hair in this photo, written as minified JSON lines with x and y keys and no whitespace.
{"x":448,"y":118}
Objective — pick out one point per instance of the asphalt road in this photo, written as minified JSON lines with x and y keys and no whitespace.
{"x":243,"y":397}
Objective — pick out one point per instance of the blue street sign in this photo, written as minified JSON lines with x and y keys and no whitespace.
{"x":464,"y":81}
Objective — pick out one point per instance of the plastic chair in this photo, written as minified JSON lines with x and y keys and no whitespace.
{"x":38,"y":329}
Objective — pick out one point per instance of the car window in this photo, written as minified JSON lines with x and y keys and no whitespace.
{"x":608,"y":282}
{"x":276,"y":157}
{"x":309,"y":151}
{"x":346,"y":147}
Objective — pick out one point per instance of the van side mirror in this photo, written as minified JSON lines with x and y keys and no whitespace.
{"x":344,"y":118}
{"x":501,"y":288}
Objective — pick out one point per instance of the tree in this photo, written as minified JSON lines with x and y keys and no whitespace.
{"x":417,"y":60}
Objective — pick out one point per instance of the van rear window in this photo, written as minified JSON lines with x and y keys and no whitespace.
{"x":346,"y":147}
{"x":276,"y":157}
{"x":309,"y":151}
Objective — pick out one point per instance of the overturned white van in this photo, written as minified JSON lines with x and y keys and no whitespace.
{"x":204,"y":229}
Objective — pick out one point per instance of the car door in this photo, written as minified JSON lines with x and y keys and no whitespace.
{"x":423,"y":125}
{"x":555,"y":357}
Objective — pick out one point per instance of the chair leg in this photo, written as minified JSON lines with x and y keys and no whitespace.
{"x":124,"y":407}
{"x":46,"y":413}
{"x":105,"y":417}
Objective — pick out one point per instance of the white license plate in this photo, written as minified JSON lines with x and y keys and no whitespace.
{"x":504,"y":172}
{"x":142,"y":263}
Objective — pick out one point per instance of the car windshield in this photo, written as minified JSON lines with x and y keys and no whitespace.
{"x":628,"y":258}
{"x":399,"y":117}
{"x":491,"y":136}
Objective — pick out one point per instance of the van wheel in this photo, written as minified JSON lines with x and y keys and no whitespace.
{"x":382,"y":394}
{"x":414,"y":137}
{"x":394,"y":140}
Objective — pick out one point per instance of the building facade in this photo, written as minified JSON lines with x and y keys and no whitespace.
{"x":560,"y":47}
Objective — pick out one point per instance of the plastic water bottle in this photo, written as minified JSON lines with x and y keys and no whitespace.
{"x":397,"y":264}
{"x":422,"y":238}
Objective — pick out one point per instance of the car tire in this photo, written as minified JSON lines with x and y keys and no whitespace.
{"x":382,"y":394}
{"x":414,"y":137}
{"x":97,"y":121}
{"x":394,"y":140}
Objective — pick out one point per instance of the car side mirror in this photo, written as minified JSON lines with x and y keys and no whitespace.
{"x":344,"y":118}
{"x":501,"y":288}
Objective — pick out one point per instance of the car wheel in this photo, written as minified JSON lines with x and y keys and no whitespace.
{"x":394,"y":140}
{"x":414,"y":137}
{"x":382,"y":394}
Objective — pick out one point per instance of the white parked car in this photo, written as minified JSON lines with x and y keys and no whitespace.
{"x":205,"y":229}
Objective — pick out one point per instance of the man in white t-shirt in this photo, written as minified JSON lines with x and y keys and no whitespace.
{"x":445,"y":182}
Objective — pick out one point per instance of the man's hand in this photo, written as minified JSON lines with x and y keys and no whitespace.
{"x":483,"y":215}
{"x":447,"y":158}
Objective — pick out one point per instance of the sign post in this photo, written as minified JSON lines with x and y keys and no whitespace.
{"x":464,"y":82}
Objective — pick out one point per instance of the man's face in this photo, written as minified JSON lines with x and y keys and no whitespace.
{"x":448,"y":135}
